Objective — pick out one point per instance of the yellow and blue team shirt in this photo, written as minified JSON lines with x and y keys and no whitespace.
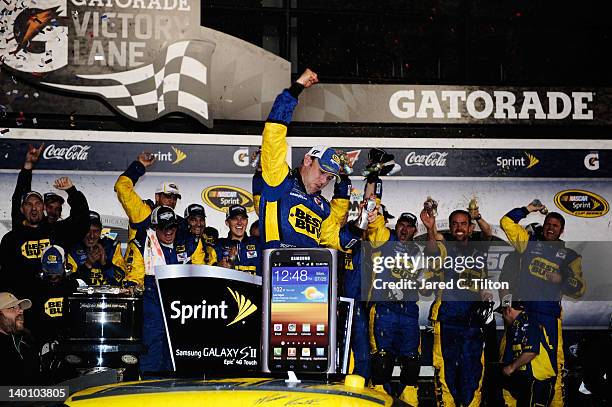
{"x":248,"y":256}
{"x":289,"y":216}
{"x":110,"y":274}
{"x":524,"y":336}
{"x":178,"y":252}
{"x":538,"y":257}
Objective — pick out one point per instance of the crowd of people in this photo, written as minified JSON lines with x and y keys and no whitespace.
{"x":45,"y":256}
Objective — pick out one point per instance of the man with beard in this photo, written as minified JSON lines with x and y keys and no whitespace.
{"x":22,"y":247}
{"x":138,"y":210}
{"x":97,"y":260}
{"x":19,"y":359}
{"x":458,"y":339}
{"x":239,"y":251}
{"x":547,"y":271}
{"x":52,"y":201}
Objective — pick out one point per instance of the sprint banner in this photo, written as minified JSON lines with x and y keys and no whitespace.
{"x":213,"y":318}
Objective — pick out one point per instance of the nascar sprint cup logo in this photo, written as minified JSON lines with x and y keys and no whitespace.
{"x":138,"y":56}
{"x":221,"y":197}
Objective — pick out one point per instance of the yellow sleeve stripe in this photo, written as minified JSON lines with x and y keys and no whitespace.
{"x":272,"y":233}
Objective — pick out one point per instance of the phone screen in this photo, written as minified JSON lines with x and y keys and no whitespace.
{"x":299,"y":316}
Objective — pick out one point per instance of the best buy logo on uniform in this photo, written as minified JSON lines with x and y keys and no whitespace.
{"x":305,"y":221}
{"x":185,"y":312}
{"x":53,"y":307}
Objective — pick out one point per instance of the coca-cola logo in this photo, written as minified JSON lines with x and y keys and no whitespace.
{"x":75,"y":152}
{"x":433,"y":159}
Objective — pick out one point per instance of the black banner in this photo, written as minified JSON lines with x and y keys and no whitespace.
{"x":487,"y":162}
{"x":213,"y":318}
{"x":116,"y":156}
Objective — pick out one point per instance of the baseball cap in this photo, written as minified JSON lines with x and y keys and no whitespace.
{"x":408,"y":217}
{"x":168,"y":188}
{"x":8,"y":300}
{"x":53,"y":197}
{"x":94,"y":218}
{"x":329,"y":160}
{"x":195,"y":210}
{"x":236,"y":210}
{"x":52,"y":260}
{"x":25,"y":196}
{"x":163,"y":217}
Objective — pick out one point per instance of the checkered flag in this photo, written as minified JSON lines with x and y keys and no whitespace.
{"x":177,"y":81}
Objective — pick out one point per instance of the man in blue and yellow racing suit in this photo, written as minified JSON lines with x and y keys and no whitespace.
{"x":458,"y":356}
{"x":153,"y":247}
{"x":137,"y":209}
{"x":526,"y":354}
{"x":292,"y":210}
{"x":547,"y":270}
{"x":394,"y":318}
{"x":97,"y":260}
{"x":239,"y":251}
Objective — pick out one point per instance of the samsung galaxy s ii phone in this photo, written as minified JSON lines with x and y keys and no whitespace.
{"x":299,"y":310}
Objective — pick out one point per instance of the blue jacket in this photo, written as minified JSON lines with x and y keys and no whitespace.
{"x":537,"y":257}
{"x":248,"y":257}
{"x":289,"y":216}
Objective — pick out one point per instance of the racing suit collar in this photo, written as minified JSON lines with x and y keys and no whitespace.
{"x":298,"y":177}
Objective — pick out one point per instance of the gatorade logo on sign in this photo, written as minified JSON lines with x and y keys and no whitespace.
{"x":305,"y":221}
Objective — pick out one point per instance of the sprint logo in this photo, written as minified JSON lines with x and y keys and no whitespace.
{"x":185,"y":312}
{"x":527,"y":161}
{"x":168,"y":157}
{"x":245,"y":306}
{"x":180,"y":156}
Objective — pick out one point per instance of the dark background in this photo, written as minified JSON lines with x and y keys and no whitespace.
{"x":556,"y":44}
{"x":461,"y":42}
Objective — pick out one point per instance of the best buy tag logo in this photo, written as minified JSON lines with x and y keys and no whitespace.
{"x":305,"y":221}
{"x":53,"y":307}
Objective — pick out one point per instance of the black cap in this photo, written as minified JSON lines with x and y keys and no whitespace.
{"x":53,"y":197}
{"x":94,"y":218}
{"x":25,"y":196}
{"x":195,"y":210}
{"x":408,"y":217}
{"x":236,"y":210}
{"x":163,"y":217}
